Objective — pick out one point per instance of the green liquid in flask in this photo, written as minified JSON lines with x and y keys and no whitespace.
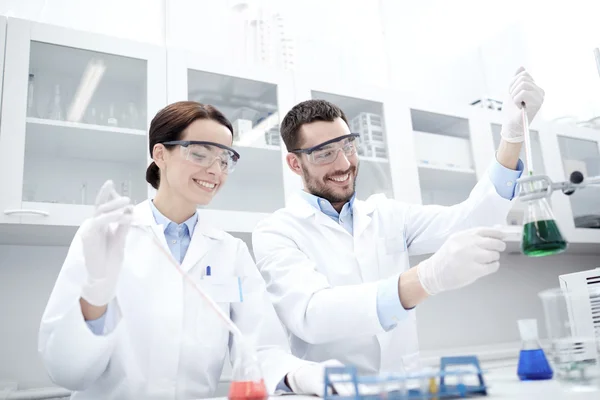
{"x":542,"y":238}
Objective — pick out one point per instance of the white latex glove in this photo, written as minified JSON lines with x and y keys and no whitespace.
{"x":465,"y":257}
{"x":103,"y":239}
{"x":309,"y":379}
{"x":522,"y":89}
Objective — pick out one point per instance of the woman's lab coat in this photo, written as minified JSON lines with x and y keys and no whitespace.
{"x":162,"y":340}
{"x":323,"y":281}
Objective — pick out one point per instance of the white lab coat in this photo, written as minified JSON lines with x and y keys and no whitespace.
{"x":162,"y":340}
{"x":323,"y":281}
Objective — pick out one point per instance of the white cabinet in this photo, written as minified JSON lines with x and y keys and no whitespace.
{"x":254,"y":100}
{"x":368,"y":115}
{"x":76,"y":108}
{"x":2,"y":45}
{"x":446,"y":166}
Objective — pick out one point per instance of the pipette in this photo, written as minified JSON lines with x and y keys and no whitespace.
{"x":527,"y":136}
{"x":247,"y":382}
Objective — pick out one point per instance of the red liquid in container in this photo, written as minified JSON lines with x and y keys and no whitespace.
{"x":248,"y":390}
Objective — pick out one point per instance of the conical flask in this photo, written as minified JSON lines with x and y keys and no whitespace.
{"x":247,"y":380}
{"x":533,"y":364}
{"x":541,"y":236}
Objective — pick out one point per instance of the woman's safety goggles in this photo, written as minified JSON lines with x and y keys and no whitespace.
{"x":205,"y":154}
{"x":327,"y":152}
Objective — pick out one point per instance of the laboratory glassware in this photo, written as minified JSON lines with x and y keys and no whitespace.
{"x":533,"y":364}
{"x":56,"y":111}
{"x":541,"y":235}
{"x":574,"y":350}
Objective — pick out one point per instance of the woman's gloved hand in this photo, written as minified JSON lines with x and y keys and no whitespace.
{"x":103,"y":240}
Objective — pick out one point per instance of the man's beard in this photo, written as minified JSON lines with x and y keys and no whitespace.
{"x":319,"y":188}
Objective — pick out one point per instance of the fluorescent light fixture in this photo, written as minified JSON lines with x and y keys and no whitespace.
{"x":87,"y":87}
{"x":258,"y":132}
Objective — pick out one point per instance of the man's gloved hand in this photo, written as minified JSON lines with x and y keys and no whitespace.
{"x":465,"y":257}
{"x":522,"y":89}
{"x":103,"y":240}
{"x":310,"y":378}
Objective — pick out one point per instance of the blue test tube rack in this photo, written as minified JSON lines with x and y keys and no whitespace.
{"x":350,"y":377}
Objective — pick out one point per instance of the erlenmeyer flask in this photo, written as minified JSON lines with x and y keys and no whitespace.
{"x":541,"y":236}
{"x":247,"y":380}
{"x":533,"y":364}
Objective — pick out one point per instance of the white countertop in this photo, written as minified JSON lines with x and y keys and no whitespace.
{"x":503,"y":383}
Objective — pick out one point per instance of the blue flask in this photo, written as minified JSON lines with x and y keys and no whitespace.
{"x":533,"y":364}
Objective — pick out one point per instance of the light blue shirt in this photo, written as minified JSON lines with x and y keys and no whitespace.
{"x":389,"y":308}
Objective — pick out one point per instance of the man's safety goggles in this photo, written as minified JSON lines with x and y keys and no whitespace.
{"x":327,"y":152}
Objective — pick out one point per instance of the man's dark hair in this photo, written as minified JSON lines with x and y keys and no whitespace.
{"x":305,"y":113}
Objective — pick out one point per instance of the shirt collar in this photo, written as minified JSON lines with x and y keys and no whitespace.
{"x":166,"y":222}
{"x":325,"y":206}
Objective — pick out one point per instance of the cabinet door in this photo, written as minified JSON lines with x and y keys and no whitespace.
{"x":581,"y":152}
{"x":254,"y":99}
{"x":367,"y":115}
{"x":77,"y":107}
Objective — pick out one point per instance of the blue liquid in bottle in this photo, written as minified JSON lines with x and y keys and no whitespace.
{"x":533,"y":365}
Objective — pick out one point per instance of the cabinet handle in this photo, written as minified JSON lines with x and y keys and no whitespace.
{"x":32,"y":212}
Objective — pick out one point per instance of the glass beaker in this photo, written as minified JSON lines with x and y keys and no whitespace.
{"x":533,"y":364}
{"x":575,"y":345}
{"x":247,"y":380}
{"x":541,"y":236}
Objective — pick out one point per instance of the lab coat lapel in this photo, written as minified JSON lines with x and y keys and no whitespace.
{"x":300,"y":208}
{"x":364,"y":245}
{"x":202,"y":241}
{"x":361,"y":216}
{"x":143,"y":216}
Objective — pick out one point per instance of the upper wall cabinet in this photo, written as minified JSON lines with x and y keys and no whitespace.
{"x":76,"y":111}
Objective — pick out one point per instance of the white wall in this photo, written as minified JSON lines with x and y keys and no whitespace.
{"x":27,"y":275}
{"x":486,"y":313}
{"x":139,"y":20}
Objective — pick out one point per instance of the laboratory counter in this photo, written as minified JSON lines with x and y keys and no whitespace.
{"x":503,"y":384}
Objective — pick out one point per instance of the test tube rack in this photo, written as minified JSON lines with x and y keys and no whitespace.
{"x":401,"y":386}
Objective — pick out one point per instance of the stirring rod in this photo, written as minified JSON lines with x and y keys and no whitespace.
{"x":228,"y":322}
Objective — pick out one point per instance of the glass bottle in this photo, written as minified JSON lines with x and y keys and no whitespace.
{"x":31,"y":110}
{"x":56,"y":111}
{"x":112,"y":120}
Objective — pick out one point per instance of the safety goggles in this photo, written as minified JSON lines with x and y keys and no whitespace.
{"x":205,"y":154}
{"x":327,"y":152}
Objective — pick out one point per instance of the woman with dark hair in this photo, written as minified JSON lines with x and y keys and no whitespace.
{"x":121,"y":323}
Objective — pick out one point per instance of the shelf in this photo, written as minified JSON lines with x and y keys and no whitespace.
{"x":351,"y":106}
{"x":374,"y":159}
{"x":444,"y":185}
{"x":447,"y":168}
{"x":78,"y":125}
{"x":268,"y":147}
{"x":448,"y":125}
{"x":87,"y":142}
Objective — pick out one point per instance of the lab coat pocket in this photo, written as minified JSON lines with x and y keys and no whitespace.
{"x":392,"y":255}
{"x":222,"y":289}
